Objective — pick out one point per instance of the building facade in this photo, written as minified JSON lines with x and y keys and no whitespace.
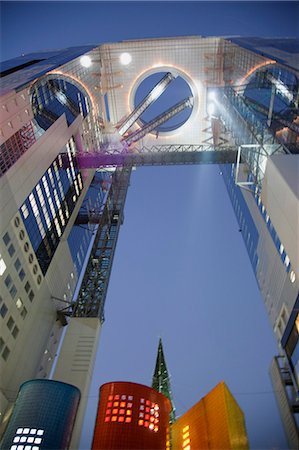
{"x":71,"y":132}
{"x":131,"y":416}
{"x":215,"y":422}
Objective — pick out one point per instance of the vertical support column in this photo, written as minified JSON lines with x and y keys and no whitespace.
{"x":75,"y":363}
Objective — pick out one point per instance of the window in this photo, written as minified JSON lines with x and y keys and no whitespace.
{"x":1,"y":344}
{"x":17,"y":264}
{"x":23,"y":312}
{"x":6,"y":239}
{"x":31,"y":296}
{"x":27,"y":286}
{"x":3,"y":310}
{"x":22,"y":275}
{"x":121,"y":412}
{"x":19,"y":303}
{"x":5,"y":353}
{"x":11,"y":250}
{"x":10,"y":323}
{"x":2,"y":265}
{"x":15,"y":332}
{"x":13,"y":291}
{"x":8,"y":281}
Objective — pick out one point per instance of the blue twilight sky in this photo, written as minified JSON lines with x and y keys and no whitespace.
{"x":181,"y":270}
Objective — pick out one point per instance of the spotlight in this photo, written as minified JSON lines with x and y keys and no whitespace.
{"x":85,"y":61}
{"x":125,"y":59}
{"x":212,"y":95}
{"x":211,"y":109}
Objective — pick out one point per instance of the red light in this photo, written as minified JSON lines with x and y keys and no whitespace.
{"x":114,"y":418}
{"x":121,"y":419}
{"x":140,"y":422}
{"x":146,"y":424}
{"x":121,"y":411}
{"x":110,"y":397}
{"x":107,"y":419}
{"x":116,"y":397}
{"x":122,"y":404}
{"x":147,"y":409}
{"x":108,"y":411}
{"x":148,"y":402}
{"x":128,"y":419}
{"x":109,"y":404}
{"x":115,"y":411}
{"x":146,"y":416}
{"x":115,"y":403}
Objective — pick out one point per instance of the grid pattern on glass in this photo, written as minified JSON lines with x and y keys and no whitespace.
{"x":47,"y":209}
{"x":12,"y":149}
{"x":148,"y":415}
{"x":186,"y":438}
{"x":119,"y":408}
{"x":27,"y":439}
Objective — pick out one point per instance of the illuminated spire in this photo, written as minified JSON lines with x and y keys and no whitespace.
{"x":161,"y":380}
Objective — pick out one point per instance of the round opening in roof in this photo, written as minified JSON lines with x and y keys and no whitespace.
{"x":53,"y":96}
{"x":176,"y":89}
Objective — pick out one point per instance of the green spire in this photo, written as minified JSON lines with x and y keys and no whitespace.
{"x":161,"y":380}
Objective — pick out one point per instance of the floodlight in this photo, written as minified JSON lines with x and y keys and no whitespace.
{"x":125,"y":59}
{"x":85,"y":61}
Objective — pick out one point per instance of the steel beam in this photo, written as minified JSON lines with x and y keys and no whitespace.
{"x":162,"y":118}
{"x":154,"y":94}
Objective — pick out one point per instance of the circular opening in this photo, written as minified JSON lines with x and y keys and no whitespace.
{"x":176,"y":91}
{"x":272,"y":87}
{"x":17,"y":222}
{"x":53,"y":96}
{"x":26,"y":247}
{"x":30,"y":259}
{"x":22,"y":235}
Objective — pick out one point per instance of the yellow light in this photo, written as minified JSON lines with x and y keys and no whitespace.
{"x":258,"y":66}
{"x":186,"y":442}
{"x":185,"y":428}
{"x":186,"y":435}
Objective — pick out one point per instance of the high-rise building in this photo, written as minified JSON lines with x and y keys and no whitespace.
{"x":72,"y":127}
{"x":215,"y":422}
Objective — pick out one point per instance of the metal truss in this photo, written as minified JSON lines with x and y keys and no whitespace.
{"x":159,"y":155}
{"x":162,"y":118}
{"x":92,"y":294}
{"x":154,"y":94}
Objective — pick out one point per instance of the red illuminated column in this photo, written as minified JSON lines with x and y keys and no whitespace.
{"x":131,"y":416}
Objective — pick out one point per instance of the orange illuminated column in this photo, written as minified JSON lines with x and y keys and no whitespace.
{"x":131,"y":416}
{"x":215,"y":422}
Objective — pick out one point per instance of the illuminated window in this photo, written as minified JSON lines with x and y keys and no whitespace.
{"x":150,"y":419}
{"x":2,"y":265}
{"x":121,"y":409}
{"x":27,"y":436}
{"x":186,"y":438}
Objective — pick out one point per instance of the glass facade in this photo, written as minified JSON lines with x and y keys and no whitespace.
{"x":46,"y":211}
{"x":43,"y":416}
{"x":83,"y":230}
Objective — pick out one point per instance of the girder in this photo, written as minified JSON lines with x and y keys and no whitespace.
{"x":162,"y":118}
{"x":153,"y":95}
{"x":91,"y":298}
{"x":160,"y":155}
{"x":276,"y":117}
{"x":62,"y":98}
